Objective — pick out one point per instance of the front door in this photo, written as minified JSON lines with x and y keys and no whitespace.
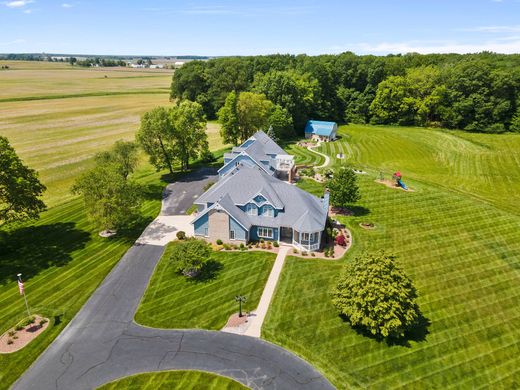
{"x":286,"y":234}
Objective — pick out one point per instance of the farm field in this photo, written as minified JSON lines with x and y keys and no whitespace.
{"x":58,"y":117}
{"x":172,"y":301}
{"x":175,"y":380}
{"x":456,"y":237}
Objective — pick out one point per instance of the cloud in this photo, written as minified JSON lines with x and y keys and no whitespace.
{"x":67,"y":5}
{"x":17,"y":3}
{"x":15,"y":42}
{"x":509,"y":46}
{"x":492,"y":29}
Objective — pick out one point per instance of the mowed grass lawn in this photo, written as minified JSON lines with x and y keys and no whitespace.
{"x":174,"y":301}
{"x":175,"y":380}
{"x":462,"y":251}
{"x":63,"y":261}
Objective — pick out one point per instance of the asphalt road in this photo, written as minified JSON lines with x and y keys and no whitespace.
{"x":102,"y":343}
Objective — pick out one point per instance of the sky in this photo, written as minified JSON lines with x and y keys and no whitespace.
{"x":244,"y":27}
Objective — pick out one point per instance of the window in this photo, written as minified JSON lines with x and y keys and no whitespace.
{"x":206,"y":232}
{"x":231,"y":234}
{"x":251,"y":209}
{"x":305,"y":237}
{"x":268,"y":211}
{"x":264,"y":232}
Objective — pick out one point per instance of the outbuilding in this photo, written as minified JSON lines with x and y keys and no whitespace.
{"x":321,"y":130}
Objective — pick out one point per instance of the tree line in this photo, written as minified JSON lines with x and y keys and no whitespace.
{"x":473,"y":92}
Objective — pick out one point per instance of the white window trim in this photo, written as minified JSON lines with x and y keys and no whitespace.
{"x":251,"y":209}
{"x":206,"y":232}
{"x":269,"y":232}
{"x":268,"y":210}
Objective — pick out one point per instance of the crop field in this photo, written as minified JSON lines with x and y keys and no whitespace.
{"x":58,"y":117}
{"x":458,"y":241}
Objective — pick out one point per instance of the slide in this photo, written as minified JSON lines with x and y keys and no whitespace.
{"x":402,"y":184}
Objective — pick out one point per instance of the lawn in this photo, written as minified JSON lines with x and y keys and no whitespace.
{"x":175,"y":380}
{"x":461,"y":248}
{"x":173,"y":301}
{"x":62,"y":260}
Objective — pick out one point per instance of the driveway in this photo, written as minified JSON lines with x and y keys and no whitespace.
{"x":102,"y":343}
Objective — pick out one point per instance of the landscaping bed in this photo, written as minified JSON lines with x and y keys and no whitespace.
{"x":23,"y":333}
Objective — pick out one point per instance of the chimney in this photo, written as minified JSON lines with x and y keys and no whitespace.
{"x":325,"y":200}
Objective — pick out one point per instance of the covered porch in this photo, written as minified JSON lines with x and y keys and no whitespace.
{"x":305,"y":241}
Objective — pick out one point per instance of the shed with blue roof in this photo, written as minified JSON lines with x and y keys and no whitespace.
{"x":321,"y":130}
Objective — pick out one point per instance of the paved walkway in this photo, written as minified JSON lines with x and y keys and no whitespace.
{"x":255,"y":328}
{"x":327,"y":158}
{"x":102,"y":343}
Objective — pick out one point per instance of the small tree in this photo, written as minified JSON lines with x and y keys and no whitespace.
{"x":123,"y":155}
{"x":111,"y":201}
{"x":373,"y":293}
{"x":189,"y":256}
{"x":343,"y":188}
{"x":20,"y":189}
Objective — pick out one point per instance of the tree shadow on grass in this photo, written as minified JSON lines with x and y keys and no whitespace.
{"x":359,"y":211}
{"x":416,"y":333}
{"x":209,"y":272}
{"x":32,"y":249}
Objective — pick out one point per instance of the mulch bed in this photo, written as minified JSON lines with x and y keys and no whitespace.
{"x":367,"y":226}
{"x":22,"y":337}
{"x":334,"y":211}
{"x":391,"y":184}
{"x":235,"y":321}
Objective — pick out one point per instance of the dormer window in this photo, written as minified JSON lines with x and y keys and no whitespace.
{"x":251,"y":209}
{"x":268,"y":211}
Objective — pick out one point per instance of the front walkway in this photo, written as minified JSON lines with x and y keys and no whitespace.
{"x":257,"y":321}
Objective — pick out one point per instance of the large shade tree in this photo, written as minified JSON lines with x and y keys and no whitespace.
{"x":20,"y":188}
{"x":373,"y":293}
{"x":124,"y":156}
{"x":111,"y":201}
{"x":174,"y":135}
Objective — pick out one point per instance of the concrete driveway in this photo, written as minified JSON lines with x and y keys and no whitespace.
{"x":103,"y":343}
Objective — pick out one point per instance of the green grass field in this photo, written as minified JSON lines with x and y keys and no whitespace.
{"x":173,"y":301}
{"x":175,"y":380}
{"x":456,"y":238}
{"x":303,"y":156}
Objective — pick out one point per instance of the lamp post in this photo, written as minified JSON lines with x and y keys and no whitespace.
{"x":240,"y":299}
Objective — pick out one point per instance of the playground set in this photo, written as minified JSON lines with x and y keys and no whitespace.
{"x":398,"y":180}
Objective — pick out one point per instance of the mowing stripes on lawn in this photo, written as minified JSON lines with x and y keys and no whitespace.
{"x":175,"y":380}
{"x":173,"y":301}
{"x":468,"y":289}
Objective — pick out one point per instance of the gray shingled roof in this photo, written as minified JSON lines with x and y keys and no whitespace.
{"x":301,"y":210}
{"x":259,"y":150}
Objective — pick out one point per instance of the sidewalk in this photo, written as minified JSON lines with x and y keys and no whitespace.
{"x":255,"y":327}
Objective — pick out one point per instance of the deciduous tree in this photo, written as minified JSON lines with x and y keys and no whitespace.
{"x":189,"y":256}
{"x":123,"y":155}
{"x":373,"y":293}
{"x":343,"y":188}
{"x":20,"y":188}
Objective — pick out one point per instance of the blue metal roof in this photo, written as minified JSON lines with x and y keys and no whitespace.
{"x":320,"y":128}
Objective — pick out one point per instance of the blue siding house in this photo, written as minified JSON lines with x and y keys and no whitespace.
{"x":251,"y":203}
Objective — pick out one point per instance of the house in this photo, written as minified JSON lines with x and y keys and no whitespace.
{"x":262,"y":152}
{"x":321,"y":130}
{"x":250,"y":202}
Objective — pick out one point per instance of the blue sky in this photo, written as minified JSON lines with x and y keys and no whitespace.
{"x":227,"y":27}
